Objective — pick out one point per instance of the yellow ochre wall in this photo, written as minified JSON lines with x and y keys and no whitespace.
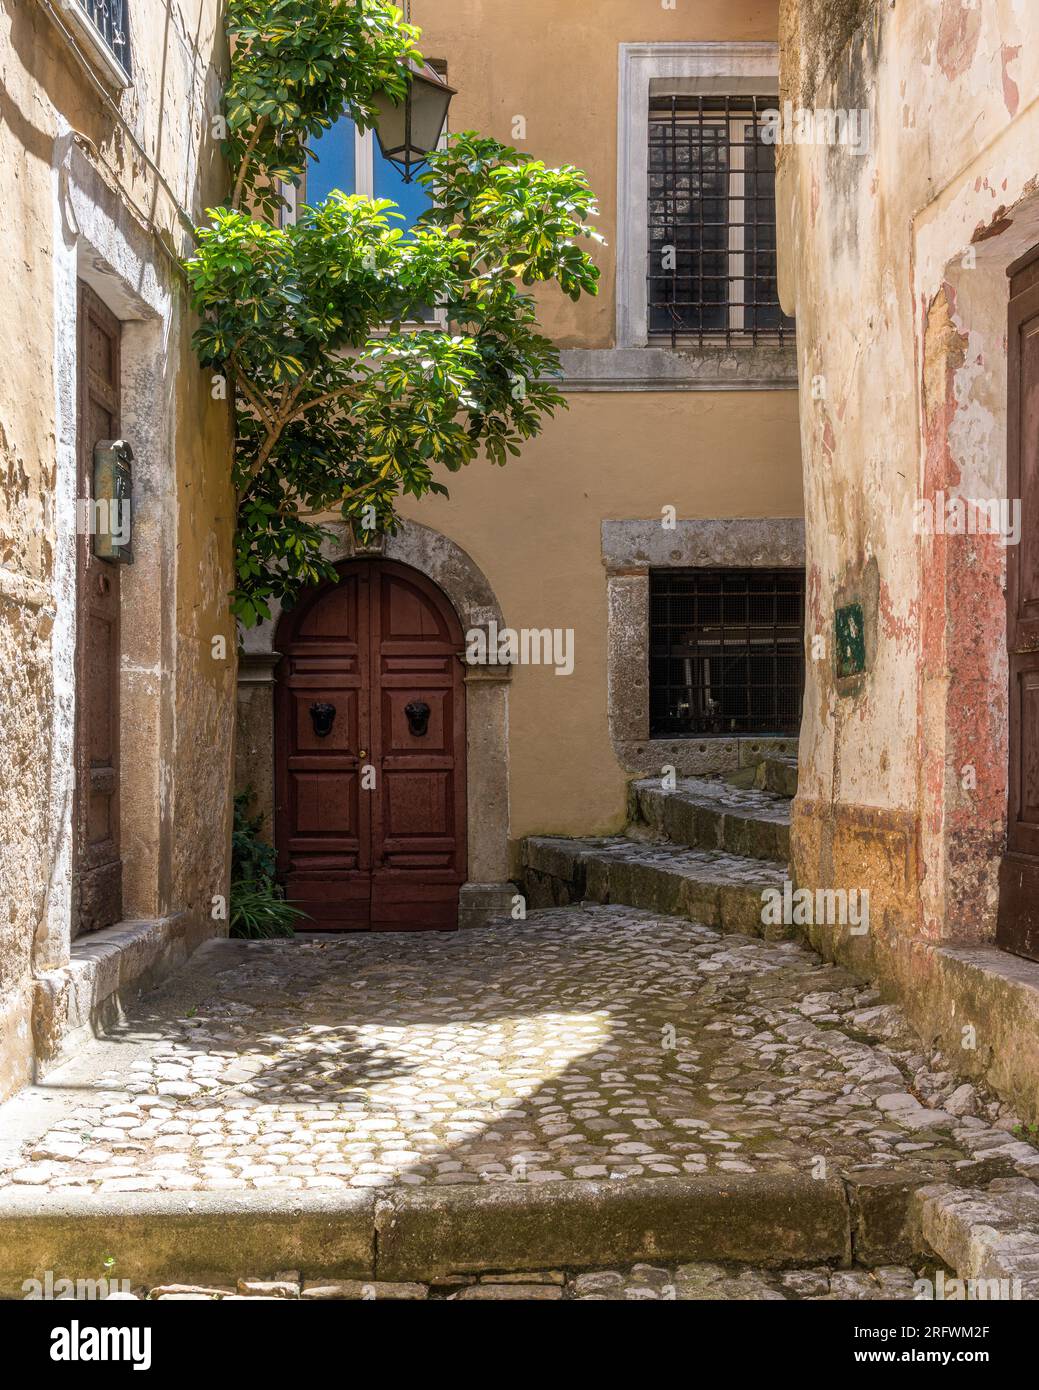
{"x":533,"y":527}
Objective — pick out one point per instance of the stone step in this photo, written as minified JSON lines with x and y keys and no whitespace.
{"x":405,"y":1234}
{"x":777,"y":775}
{"x":706,"y":814}
{"x":707,"y":886}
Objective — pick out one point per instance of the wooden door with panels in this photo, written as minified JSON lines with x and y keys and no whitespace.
{"x":370,"y":816}
{"x":97,"y":862}
{"x":1018,"y":928}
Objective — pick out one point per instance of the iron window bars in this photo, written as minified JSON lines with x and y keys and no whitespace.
{"x":726,"y":652}
{"x":712,"y":222}
{"x":111,"y":19}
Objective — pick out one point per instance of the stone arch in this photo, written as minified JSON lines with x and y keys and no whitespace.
{"x":487,"y":889}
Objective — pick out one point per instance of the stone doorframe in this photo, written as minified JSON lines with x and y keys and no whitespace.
{"x":487,"y":890}
{"x":962,"y":250}
{"x":630,"y":549}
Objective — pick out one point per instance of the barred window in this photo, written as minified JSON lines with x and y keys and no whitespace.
{"x":726,"y":652}
{"x":712,"y":222}
{"x":111,"y":19}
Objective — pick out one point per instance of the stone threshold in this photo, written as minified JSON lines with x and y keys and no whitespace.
{"x":405,"y":1233}
{"x":400,"y":1234}
{"x":408,"y":1233}
{"x":107,"y":970}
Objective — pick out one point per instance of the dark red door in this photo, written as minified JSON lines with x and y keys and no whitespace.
{"x":370,"y":753}
{"x":97,"y":870}
{"x":1019,"y":875}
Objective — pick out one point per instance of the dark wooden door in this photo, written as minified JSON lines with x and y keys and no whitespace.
{"x":97,"y":866}
{"x":370,"y":753}
{"x":1018,"y":928}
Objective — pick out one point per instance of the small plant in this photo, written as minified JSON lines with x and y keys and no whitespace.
{"x":251,"y":857}
{"x":1030,"y":1133}
{"x":259,"y":909}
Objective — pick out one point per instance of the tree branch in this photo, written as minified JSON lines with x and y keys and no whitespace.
{"x":243,"y":168}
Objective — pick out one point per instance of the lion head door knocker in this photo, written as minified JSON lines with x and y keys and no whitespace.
{"x":322,"y":716}
{"x":418,"y":717}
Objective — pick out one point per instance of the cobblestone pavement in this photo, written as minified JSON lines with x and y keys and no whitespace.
{"x":594,"y":1042}
{"x":681,"y":1283}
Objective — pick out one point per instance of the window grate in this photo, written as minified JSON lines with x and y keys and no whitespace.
{"x":726,"y":652}
{"x":712,"y":222}
{"x":111,"y":19}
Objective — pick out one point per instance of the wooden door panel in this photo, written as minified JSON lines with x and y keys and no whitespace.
{"x":1026,"y":561}
{"x":398,"y":740}
{"x":419,"y":808}
{"x":97,"y":861}
{"x":1024,"y":831}
{"x":419,"y":824}
{"x":336,"y":619}
{"x":326,"y":806}
{"x":1018,"y":925}
{"x":323,"y":819}
{"x":344,"y":735}
{"x":390,"y":856}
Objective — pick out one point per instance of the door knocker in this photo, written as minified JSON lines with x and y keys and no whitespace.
{"x":418,"y":717}
{"x":323,"y":717}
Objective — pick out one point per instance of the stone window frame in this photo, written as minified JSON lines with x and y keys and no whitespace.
{"x":638,"y":360}
{"x":630,"y":549}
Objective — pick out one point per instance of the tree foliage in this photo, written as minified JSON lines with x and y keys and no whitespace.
{"x":343,"y":404}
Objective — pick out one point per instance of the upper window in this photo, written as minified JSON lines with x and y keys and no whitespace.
{"x":112,"y":21}
{"x":712,"y":222}
{"x":351,"y":160}
{"x":99,"y":31}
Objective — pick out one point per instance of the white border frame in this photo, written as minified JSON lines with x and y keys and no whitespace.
{"x":639,"y":65}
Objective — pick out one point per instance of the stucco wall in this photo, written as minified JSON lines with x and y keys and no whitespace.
{"x":894,"y":262}
{"x":709,"y":433}
{"x":534,"y":528}
{"x":83,"y":201}
{"x":555,"y":65}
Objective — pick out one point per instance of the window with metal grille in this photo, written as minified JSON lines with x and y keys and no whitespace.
{"x":726,"y":652}
{"x":111,"y":19}
{"x":712,"y":222}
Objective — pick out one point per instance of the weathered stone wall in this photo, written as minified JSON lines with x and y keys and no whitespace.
{"x":894,"y":261}
{"x":96,"y":189}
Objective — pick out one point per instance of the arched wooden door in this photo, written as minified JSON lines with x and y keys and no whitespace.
{"x":370,"y":753}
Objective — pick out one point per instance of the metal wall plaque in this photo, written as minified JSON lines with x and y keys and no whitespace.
{"x":850,"y":633}
{"x":111,"y":520}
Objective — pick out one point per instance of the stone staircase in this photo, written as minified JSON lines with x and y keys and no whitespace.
{"x":704,"y":850}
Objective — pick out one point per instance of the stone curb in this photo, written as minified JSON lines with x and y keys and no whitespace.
{"x":421,"y":1233}
{"x":771,"y":1220}
{"x":183,"y":1237}
{"x":983,"y":1234}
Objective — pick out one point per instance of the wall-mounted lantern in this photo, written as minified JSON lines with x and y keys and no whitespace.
{"x":410,"y":130}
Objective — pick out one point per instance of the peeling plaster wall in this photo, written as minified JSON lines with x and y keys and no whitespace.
{"x":894,"y":263}
{"x":83,"y":202}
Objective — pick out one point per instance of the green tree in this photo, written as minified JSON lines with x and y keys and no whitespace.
{"x":342,"y":404}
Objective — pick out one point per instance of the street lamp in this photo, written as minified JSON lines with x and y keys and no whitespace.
{"x":410,"y":130}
